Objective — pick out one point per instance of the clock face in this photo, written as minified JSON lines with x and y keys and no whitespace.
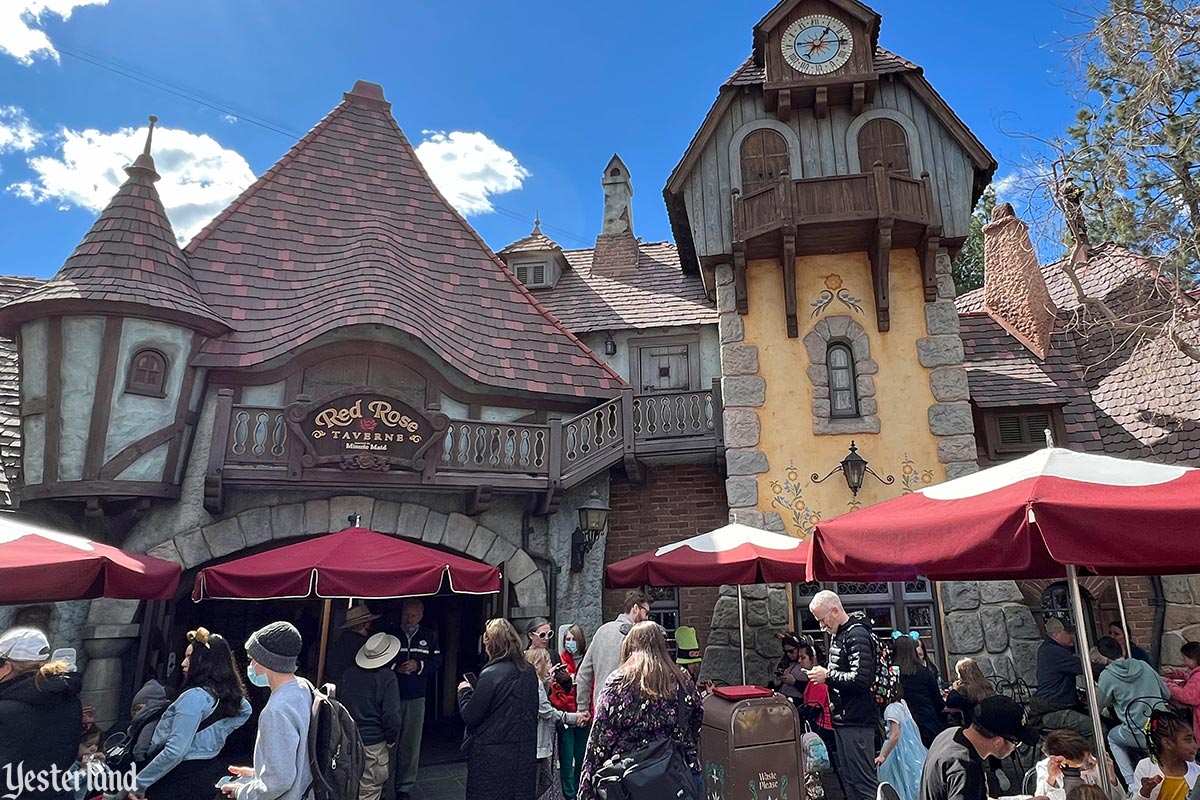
{"x":817,"y":44}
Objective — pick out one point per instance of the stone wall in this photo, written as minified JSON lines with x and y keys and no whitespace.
{"x":990,"y":622}
{"x":1182,"y":623}
{"x":765,"y":610}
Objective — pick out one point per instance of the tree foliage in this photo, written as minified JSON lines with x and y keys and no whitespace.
{"x":968,"y":266}
{"x":1134,"y":149}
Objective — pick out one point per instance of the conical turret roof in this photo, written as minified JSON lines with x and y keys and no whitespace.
{"x":128,"y":263}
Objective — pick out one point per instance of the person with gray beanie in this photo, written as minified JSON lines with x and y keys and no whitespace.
{"x":281,"y":770}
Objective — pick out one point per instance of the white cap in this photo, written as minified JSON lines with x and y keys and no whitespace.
{"x":24,"y":644}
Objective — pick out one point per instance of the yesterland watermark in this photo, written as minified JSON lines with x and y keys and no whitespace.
{"x":95,"y":778}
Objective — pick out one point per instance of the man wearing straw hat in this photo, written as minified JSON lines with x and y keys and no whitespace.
{"x":370,"y":693}
{"x":355,"y":631}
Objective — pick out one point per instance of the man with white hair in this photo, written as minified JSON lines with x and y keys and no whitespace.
{"x":850,"y":676}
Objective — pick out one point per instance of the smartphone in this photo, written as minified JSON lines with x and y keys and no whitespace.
{"x":471,"y":678}
{"x":228,"y":779}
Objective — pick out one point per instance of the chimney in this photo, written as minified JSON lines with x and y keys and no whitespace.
{"x":616,"y":247}
{"x":1014,"y":289}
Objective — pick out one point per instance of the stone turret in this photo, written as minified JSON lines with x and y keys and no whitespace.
{"x":616,"y":246}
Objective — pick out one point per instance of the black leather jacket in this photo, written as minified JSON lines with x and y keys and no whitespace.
{"x":852,"y":661}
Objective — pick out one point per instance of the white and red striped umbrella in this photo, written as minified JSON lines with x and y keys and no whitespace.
{"x":733,"y":555}
{"x":1024,"y":519}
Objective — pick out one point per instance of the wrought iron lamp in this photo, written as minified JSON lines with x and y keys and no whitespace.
{"x":854,"y":468}
{"x":610,"y":346}
{"x":593,"y":519}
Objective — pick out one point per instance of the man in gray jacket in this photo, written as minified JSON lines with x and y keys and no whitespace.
{"x":372,"y":696}
{"x":603,"y":655}
{"x":281,"y":770}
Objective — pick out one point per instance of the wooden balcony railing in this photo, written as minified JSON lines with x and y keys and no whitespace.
{"x":253,"y":445}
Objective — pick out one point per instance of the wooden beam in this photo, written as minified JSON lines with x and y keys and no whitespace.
{"x":858,"y":98}
{"x":927,"y":252}
{"x":880,"y":254}
{"x":479,"y":500}
{"x":741,"y":294}
{"x":214,"y":497}
{"x":789,"y":280}
{"x":102,"y":400}
{"x":182,"y":414}
{"x":53,"y":440}
{"x":821,"y":102}
{"x":129,"y":455}
{"x":784,"y":110}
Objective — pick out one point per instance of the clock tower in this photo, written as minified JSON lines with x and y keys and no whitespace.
{"x":818,"y":53}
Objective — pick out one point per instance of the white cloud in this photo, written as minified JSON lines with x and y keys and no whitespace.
{"x":21,"y":35}
{"x":1004,"y":186}
{"x":199,"y":176}
{"x":16,"y":133}
{"x":468,"y":168}
{"x":230,"y":118}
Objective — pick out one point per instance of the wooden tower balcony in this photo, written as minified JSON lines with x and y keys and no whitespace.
{"x":875,"y":212}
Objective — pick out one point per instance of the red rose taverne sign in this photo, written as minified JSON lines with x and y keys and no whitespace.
{"x":365,"y":431}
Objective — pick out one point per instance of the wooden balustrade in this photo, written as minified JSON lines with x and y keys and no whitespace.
{"x":674,"y":414}
{"x":496,"y":447}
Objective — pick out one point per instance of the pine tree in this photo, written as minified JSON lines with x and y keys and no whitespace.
{"x":968,"y":266}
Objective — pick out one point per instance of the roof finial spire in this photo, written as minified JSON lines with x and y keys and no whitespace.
{"x":537,"y":223}
{"x":149,"y":135}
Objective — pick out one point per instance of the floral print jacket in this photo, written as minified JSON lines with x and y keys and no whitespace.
{"x":627,"y":722}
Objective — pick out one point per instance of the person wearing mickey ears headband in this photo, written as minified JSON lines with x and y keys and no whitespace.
{"x":191,"y":733}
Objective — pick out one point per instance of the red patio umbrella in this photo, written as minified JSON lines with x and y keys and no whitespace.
{"x":734,"y":554}
{"x":355,"y":562}
{"x":39,"y":565}
{"x":1044,"y":515}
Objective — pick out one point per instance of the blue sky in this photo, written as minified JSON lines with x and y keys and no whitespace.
{"x":519,"y":105}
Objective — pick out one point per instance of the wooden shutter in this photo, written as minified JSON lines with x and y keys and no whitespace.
{"x":883,"y":140}
{"x":764,"y":159}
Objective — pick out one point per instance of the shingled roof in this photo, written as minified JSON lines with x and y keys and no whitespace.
{"x":10,"y":391}
{"x":129,"y":262}
{"x":654,"y":293}
{"x":753,"y":74}
{"x":347,"y":229}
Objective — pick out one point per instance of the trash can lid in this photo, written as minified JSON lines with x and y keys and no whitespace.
{"x":736,"y":693}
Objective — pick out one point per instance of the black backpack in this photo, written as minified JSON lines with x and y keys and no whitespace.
{"x":656,"y":772}
{"x":335,"y":750}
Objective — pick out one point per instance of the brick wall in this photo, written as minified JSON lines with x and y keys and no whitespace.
{"x":674,"y":503}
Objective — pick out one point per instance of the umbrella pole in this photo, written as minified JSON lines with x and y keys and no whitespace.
{"x":742,"y":634}
{"x":324,"y":640}
{"x":1083,"y":647}
{"x":1124,"y":622}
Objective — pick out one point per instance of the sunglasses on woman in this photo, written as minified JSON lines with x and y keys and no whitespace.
{"x":544,"y":634}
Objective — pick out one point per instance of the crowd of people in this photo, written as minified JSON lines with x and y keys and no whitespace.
{"x":546,"y":722}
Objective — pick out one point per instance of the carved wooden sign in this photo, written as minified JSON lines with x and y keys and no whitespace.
{"x":363,"y":429}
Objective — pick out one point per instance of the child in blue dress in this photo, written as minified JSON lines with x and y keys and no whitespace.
{"x":902,"y":757}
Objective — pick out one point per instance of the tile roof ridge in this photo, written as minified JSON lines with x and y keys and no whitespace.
{"x":499,"y":262}
{"x":267,"y":176}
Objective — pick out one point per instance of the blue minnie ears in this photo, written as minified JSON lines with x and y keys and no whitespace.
{"x":916,"y":637}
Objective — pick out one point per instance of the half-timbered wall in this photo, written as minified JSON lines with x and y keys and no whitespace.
{"x":824,"y":147}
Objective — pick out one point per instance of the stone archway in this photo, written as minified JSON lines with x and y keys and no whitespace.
{"x":456,"y":532}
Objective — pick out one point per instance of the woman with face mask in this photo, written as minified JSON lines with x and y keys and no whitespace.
{"x":186,"y":747}
{"x":572,"y":740}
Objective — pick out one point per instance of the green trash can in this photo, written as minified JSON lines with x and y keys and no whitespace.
{"x":750,"y":746}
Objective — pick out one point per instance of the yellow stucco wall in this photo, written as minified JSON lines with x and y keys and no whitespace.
{"x":903,"y":448}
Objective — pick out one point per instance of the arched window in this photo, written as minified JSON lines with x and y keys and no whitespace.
{"x":843,"y":394}
{"x":764,"y":159}
{"x":1056,"y":604}
{"x":147,"y":374}
{"x":883,"y":140}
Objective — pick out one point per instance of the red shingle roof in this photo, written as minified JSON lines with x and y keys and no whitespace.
{"x":536,"y":242}
{"x":654,"y":293}
{"x":128,"y":261}
{"x":347,"y":229}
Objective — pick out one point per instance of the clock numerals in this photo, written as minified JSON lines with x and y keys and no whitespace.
{"x":817,"y":44}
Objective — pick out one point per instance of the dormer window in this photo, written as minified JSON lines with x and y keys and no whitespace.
{"x":147,"y":374}
{"x":533,"y":274}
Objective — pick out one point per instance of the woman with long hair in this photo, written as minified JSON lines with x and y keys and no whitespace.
{"x":501,"y":715}
{"x":969,"y":687}
{"x":572,"y":741}
{"x":40,"y":712}
{"x":648,"y":698}
{"x":921,"y":692}
{"x":549,"y":785}
{"x":186,"y":747}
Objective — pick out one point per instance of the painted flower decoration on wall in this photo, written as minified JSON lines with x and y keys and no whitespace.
{"x":834,"y":289}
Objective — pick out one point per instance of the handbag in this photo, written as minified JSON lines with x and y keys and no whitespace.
{"x":655,"y":772}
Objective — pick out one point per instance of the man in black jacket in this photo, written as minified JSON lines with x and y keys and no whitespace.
{"x":850,"y":675}
{"x":370,"y":693}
